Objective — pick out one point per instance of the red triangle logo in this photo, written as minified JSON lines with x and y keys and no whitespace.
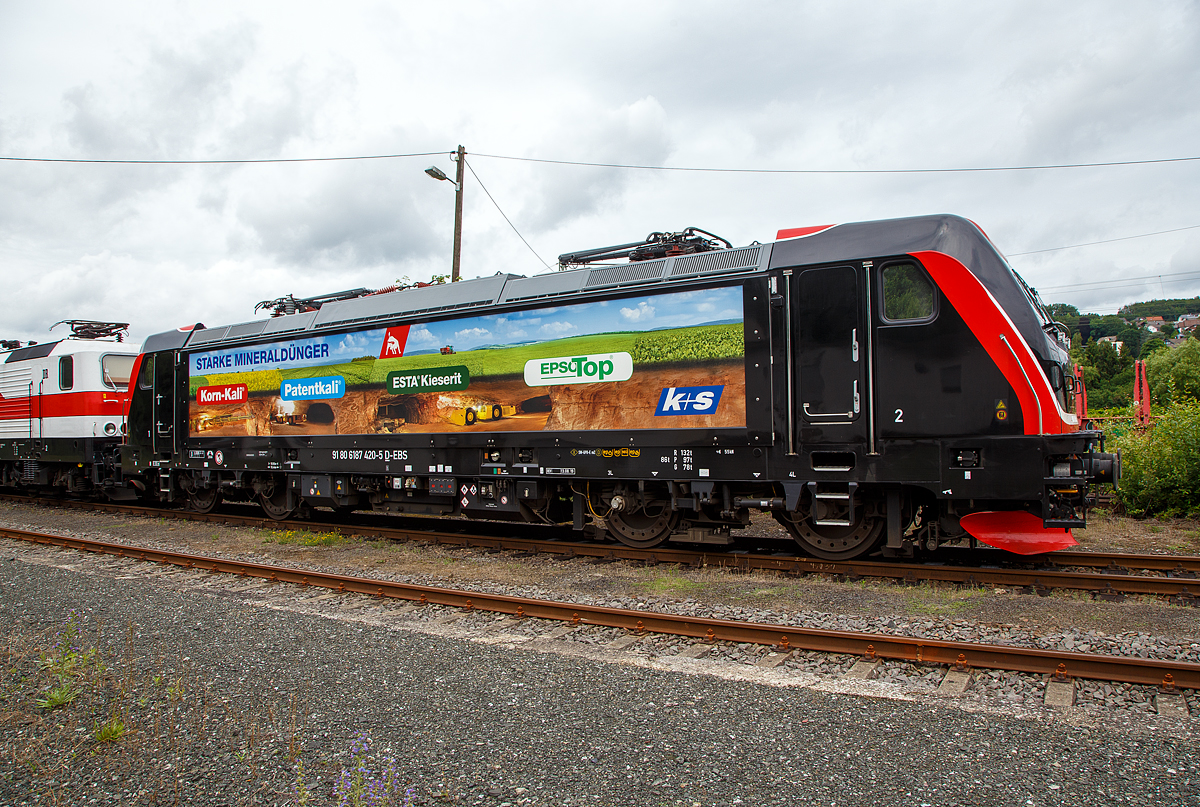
{"x":393,"y":342}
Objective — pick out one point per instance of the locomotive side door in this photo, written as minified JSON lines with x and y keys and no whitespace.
{"x":831,"y":354}
{"x":162,"y":430}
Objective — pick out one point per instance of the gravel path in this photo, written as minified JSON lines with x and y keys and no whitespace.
{"x":226,"y":684}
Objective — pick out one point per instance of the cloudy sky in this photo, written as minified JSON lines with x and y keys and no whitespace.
{"x":802,"y":86}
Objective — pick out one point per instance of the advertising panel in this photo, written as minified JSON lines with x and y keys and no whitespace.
{"x":662,"y":361}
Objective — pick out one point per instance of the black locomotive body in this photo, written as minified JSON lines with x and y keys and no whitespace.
{"x":881,"y":385}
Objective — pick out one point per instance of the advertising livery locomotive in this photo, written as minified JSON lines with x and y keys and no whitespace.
{"x":878,"y":386}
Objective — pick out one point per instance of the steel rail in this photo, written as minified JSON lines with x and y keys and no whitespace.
{"x":962,"y":655}
{"x":1114,"y":581}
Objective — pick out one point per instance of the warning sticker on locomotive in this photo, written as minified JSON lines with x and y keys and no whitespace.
{"x":614,"y":364}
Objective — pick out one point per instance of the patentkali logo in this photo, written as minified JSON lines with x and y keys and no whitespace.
{"x":578,"y":369}
{"x":310,"y":389}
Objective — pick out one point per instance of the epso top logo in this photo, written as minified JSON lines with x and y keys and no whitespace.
{"x":434,"y":379}
{"x":689,"y":400}
{"x":578,"y":369}
{"x":222,"y":394}
{"x":311,"y":389}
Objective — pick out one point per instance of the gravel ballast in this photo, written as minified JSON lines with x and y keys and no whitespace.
{"x":227,"y":683}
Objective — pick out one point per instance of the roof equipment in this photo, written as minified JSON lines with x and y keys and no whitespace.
{"x":656,"y":245}
{"x":90,"y":329}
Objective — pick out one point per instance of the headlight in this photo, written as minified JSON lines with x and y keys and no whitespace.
{"x":110,"y":429}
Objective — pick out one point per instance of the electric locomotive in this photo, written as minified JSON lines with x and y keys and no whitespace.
{"x":62,"y":410}
{"x":881,"y":386}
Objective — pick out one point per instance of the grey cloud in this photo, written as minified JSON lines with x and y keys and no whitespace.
{"x":168,"y":108}
{"x":633,"y":133}
{"x":360,"y":215}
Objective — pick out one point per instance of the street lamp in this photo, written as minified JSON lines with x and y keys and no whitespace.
{"x":437,"y":173}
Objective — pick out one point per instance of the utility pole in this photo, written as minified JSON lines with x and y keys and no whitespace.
{"x":461,"y":159}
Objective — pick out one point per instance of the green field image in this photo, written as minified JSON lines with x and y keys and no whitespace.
{"x":692,"y":345}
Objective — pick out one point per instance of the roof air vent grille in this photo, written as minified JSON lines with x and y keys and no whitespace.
{"x":625,"y":273}
{"x":716,"y":261}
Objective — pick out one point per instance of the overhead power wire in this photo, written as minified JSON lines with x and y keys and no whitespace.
{"x":225,"y":162}
{"x":641,"y":167}
{"x":506,"y":218}
{"x":1183,"y":277}
{"x":1106,"y":241}
{"x":630,"y":166}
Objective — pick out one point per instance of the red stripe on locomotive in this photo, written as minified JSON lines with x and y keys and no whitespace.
{"x":800,"y":232}
{"x":989,"y":323}
{"x":65,"y":404}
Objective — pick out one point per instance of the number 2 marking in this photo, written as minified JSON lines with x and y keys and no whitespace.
{"x":899,"y":415}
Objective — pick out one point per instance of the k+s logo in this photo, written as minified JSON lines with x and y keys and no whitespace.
{"x":689,"y":400}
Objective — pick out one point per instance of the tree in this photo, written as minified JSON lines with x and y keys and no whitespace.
{"x":1151,"y":346}
{"x":1103,"y":357}
{"x":1174,"y":374}
{"x":1132,"y":338}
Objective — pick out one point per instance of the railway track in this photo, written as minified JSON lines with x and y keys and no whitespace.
{"x":1107,"y":575}
{"x":961,"y":656}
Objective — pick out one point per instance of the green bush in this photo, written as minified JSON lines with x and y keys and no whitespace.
{"x":1175,"y":374}
{"x":1160,"y":469}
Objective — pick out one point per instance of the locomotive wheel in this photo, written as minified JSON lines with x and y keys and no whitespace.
{"x":834,"y":543}
{"x":204,"y":500}
{"x":642,"y":530}
{"x":275,"y":506}
{"x":469,"y":417}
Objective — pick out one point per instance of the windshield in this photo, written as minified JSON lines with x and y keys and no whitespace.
{"x":116,"y":370}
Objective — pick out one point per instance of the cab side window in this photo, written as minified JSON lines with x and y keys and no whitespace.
{"x":66,"y":372}
{"x":146,"y":375}
{"x":908,"y":296}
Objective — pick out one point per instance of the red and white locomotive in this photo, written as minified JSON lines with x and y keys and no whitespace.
{"x":62,"y":409}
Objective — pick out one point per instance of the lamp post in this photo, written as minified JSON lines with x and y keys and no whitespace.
{"x":460,"y":158}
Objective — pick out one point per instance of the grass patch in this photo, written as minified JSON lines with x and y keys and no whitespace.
{"x":58,"y":696}
{"x":927,"y":600}
{"x":673,"y":584}
{"x":306,"y":538}
{"x":176,"y":690}
{"x":110,"y":731}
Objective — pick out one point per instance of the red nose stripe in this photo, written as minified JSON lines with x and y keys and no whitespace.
{"x":796,"y":232}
